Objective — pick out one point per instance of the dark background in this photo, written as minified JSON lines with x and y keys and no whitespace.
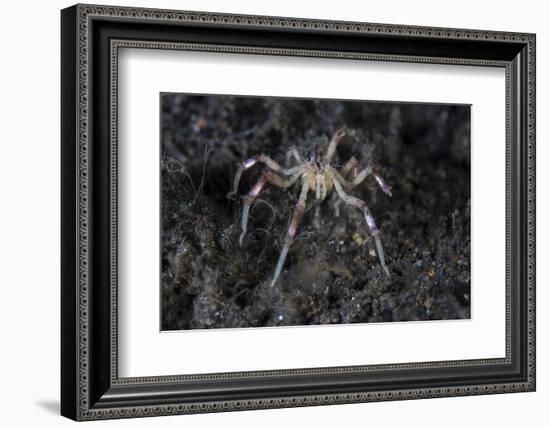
{"x":331,"y":274}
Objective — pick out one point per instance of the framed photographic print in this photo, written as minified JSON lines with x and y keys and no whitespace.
{"x":263,"y":212}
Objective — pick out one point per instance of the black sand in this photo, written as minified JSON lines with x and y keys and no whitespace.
{"x":331,"y":274}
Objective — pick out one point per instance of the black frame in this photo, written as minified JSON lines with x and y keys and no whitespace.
{"x":91,"y":37}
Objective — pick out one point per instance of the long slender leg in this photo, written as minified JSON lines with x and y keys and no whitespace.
{"x":261,"y":158}
{"x":350,"y":166}
{"x":267,"y":176}
{"x":373,"y":229}
{"x":337,"y":203}
{"x":379,"y":180}
{"x":360,"y":177}
{"x":381,"y":183}
{"x":336,"y":137}
{"x":247,"y":164}
{"x":291,"y":233}
{"x":248,"y":200}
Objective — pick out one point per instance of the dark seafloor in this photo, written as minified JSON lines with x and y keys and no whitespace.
{"x":331,"y":274}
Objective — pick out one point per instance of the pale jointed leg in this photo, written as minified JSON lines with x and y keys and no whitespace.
{"x":336,"y":205}
{"x":373,"y":229}
{"x":248,"y":200}
{"x":267,"y":176}
{"x":381,"y":183}
{"x":273,"y":165}
{"x":245,"y":165}
{"x":350,"y":166}
{"x":359,"y":177}
{"x":297,"y":215}
{"x":379,"y":180}
{"x":336,"y":137}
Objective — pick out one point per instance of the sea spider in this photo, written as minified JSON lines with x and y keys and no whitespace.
{"x":316,"y":175}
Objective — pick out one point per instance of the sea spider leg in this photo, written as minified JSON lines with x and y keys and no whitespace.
{"x":267,"y":176}
{"x":336,"y":204}
{"x":336,"y":137}
{"x":381,"y":183}
{"x":261,"y":158}
{"x":350,"y":166}
{"x":333,"y":173}
{"x":377,"y":177}
{"x":291,"y":233}
{"x":359,"y":177}
{"x":373,"y":229}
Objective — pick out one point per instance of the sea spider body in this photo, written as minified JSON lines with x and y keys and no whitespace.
{"x":319,"y":176}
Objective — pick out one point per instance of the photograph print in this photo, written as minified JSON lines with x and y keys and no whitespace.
{"x":293,"y":211}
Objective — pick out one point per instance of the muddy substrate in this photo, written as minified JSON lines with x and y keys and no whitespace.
{"x":332,"y":274}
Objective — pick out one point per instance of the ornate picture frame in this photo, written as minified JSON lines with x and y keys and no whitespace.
{"x":91,"y":38}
